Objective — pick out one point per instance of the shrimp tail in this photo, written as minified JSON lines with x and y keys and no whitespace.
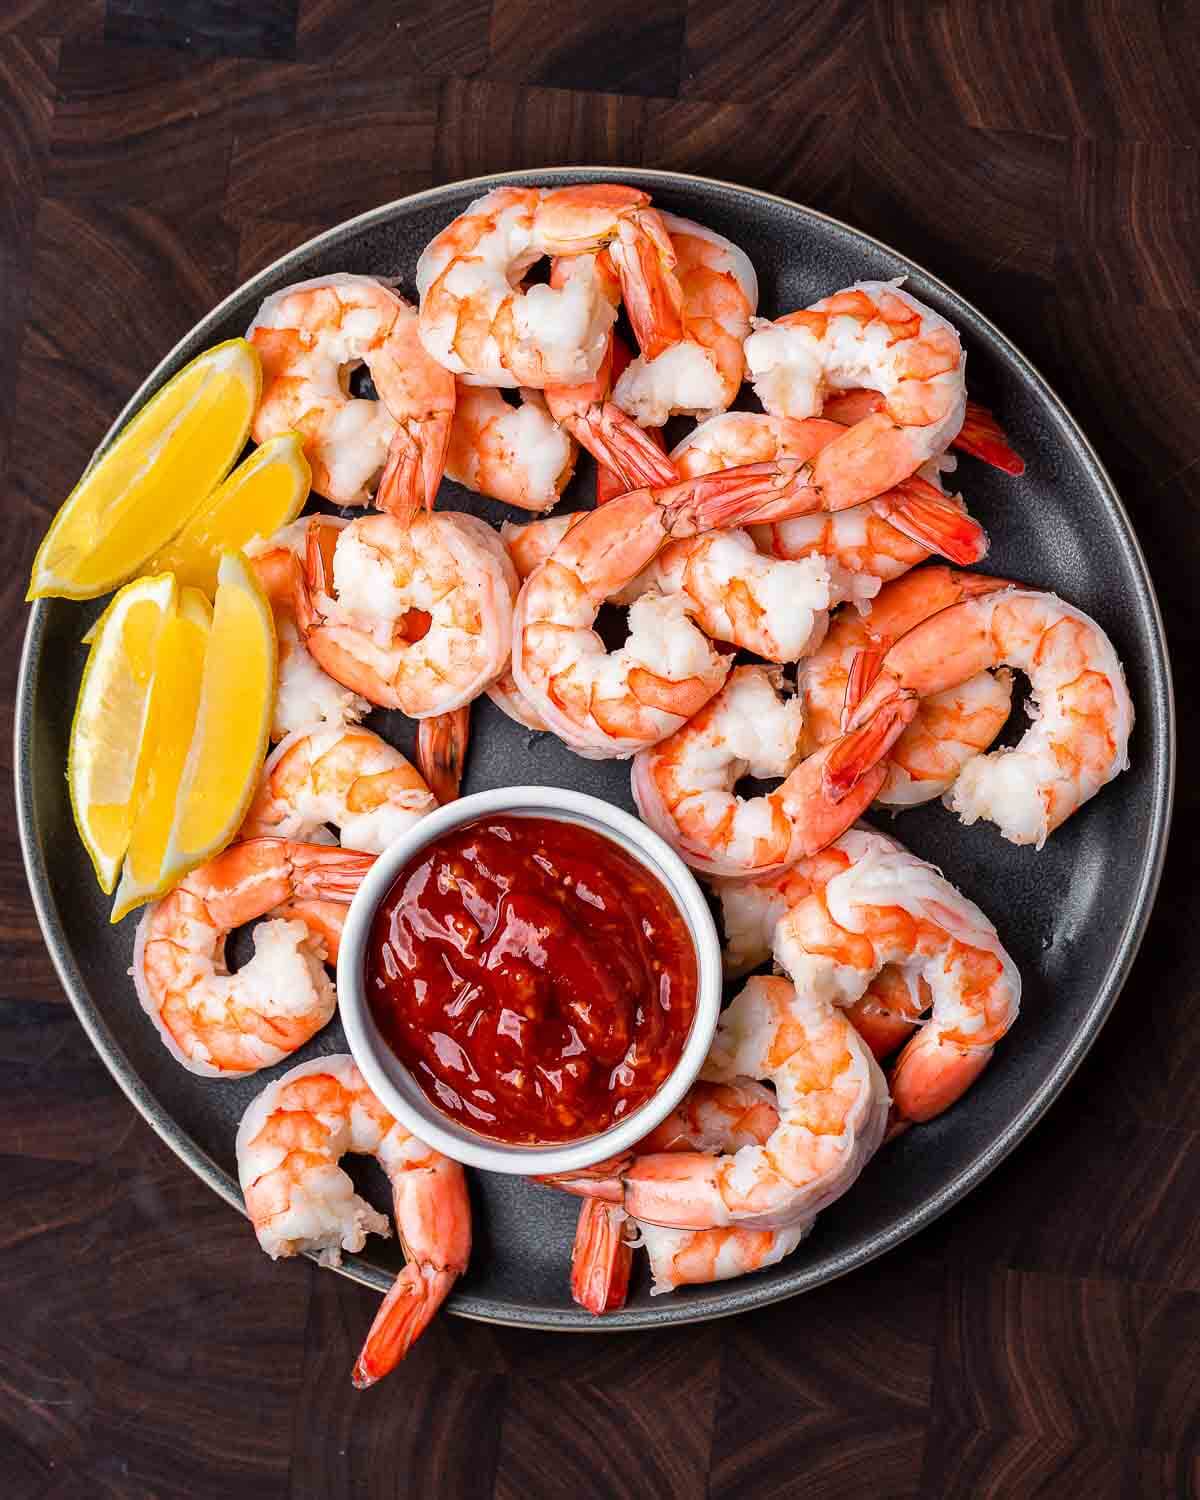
{"x":403,"y":1317}
{"x":442,"y":751}
{"x":730,"y":497}
{"x":653,"y":297}
{"x":610,"y":484}
{"x":324,"y":874}
{"x":601,"y":1180}
{"x":864,"y":669}
{"x":919,"y":510}
{"x":850,"y":758}
{"x":982,"y":437}
{"x":621,"y":446}
{"x":313,"y":578}
{"x":401,"y":488}
{"x":601,"y":1258}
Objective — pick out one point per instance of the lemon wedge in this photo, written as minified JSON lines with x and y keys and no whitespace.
{"x":166,"y":740}
{"x":153,"y":478}
{"x":107,"y":731}
{"x":233,"y":717}
{"x":262,"y":494}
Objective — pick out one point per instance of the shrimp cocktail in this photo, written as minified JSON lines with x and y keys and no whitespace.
{"x":802,"y":607}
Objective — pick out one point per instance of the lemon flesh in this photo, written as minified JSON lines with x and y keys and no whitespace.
{"x":166,"y":740}
{"x":262,"y":494}
{"x":153,"y":478}
{"x":237,"y":697}
{"x":110,"y":716}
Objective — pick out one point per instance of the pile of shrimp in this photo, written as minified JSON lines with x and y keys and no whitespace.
{"x":802,"y":608}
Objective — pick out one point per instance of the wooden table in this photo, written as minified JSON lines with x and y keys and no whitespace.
{"x":1042,"y":1338}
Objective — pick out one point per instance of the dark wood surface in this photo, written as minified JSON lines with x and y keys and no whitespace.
{"x":1041,"y":155}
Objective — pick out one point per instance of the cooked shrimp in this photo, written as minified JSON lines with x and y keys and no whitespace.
{"x":777,"y":610}
{"x":862,"y":543}
{"x":349,"y":778}
{"x":701,"y":365}
{"x":304,"y":694}
{"x":891,"y":1007}
{"x":517,"y":454}
{"x":311,"y":338}
{"x":609,"y":483}
{"x":528,"y":544}
{"x":712,"y":1117}
{"x":614,"y":705}
{"x":416,"y":617}
{"x":224,"y":1025}
{"x":324,"y":920}
{"x":949,"y":728}
{"x":832,"y":1112}
{"x":606,"y":704}
{"x":299,"y":1199}
{"x":477,"y":321}
{"x":981,"y":435}
{"x":613,"y":439}
{"x":692,"y":1257}
{"x":442,"y":751}
{"x":716,"y":1117}
{"x":888,"y":907}
{"x":751,"y":908}
{"x":684,"y":786}
{"x":606,"y":1237}
{"x":872,"y":334}
{"x":1079,"y":739}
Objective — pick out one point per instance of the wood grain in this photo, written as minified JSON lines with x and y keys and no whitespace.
{"x":329,"y":138}
{"x":1041,"y":155}
{"x":482,"y":122}
{"x":625,"y":44}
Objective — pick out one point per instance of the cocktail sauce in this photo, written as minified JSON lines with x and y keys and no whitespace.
{"x":538,"y":981}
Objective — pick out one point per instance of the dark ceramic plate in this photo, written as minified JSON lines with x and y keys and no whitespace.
{"x":1072,"y":915}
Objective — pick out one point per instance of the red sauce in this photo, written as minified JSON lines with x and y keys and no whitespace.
{"x":538,"y":982}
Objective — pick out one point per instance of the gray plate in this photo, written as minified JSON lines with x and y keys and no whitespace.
{"x":1071,"y":915}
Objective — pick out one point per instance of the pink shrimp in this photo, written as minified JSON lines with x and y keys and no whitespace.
{"x":226,"y":1025}
{"x":585,"y":410}
{"x":1079,"y":740}
{"x":416,"y":617}
{"x":876,"y":540}
{"x":981,"y":435}
{"x":712,"y":1116}
{"x":311,"y":337}
{"x":289,"y":1143}
{"x":948,"y":728}
{"x":865,"y":904}
{"x":478,"y":321}
{"x":604,"y":705}
{"x":696,"y":365}
{"x":873,"y":334}
{"x":516,"y":454}
{"x":685,"y":786}
{"x":832,"y":1106}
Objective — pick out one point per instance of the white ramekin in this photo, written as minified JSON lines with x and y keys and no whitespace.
{"x":391,"y":1080}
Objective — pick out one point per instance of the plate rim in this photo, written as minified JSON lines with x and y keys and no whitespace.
{"x":741,"y":1296}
